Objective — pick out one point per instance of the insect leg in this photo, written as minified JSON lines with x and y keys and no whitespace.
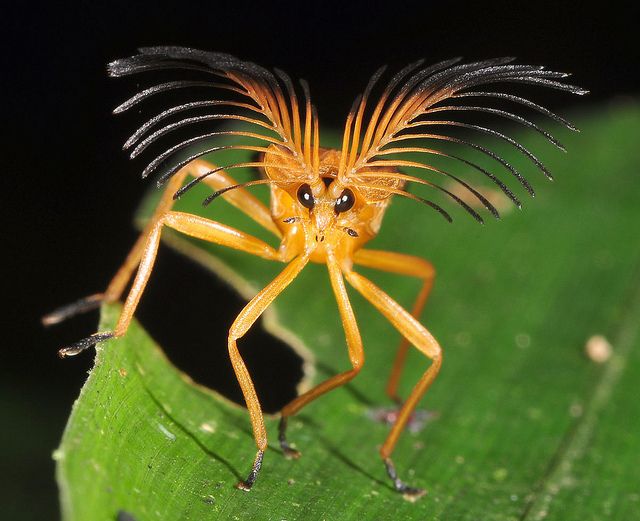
{"x":356,"y":356}
{"x":404,"y":265}
{"x":191,"y":225}
{"x":121,"y":278}
{"x":239,"y":328}
{"x":240,"y":198}
{"x":418,"y":335}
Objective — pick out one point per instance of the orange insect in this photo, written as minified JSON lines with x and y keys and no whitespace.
{"x":325,"y":204}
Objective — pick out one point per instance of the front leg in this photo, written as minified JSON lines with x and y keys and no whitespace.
{"x":356,"y":357}
{"x":239,"y":328}
{"x":415,"y":333}
{"x":191,"y":225}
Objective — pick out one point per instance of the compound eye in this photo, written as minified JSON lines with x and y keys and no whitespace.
{"x":345,"y":201}
{"x":305,"y":196}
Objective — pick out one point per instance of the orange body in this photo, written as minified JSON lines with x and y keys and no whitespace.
{"x":321,"y":232}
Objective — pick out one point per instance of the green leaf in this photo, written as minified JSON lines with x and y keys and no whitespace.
{"x":527,"y":426}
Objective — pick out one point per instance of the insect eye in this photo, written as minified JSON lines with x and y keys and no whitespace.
{"x":345,"y":201}
{"x":305,"y":196}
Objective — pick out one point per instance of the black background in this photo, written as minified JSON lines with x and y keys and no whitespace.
{"x":69,"y":192}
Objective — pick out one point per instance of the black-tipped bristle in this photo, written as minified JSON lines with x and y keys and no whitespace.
{"x":410,"y":96}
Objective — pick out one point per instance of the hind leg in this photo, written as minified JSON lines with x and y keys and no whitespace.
{"x":401,"y":264}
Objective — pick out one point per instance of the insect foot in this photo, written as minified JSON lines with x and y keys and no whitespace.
{"x":409,"y":493}
{"x":253,"y":475}
{"x":77,"y":347}
{"x":75,"y":308}
{"x":289,"y":451}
